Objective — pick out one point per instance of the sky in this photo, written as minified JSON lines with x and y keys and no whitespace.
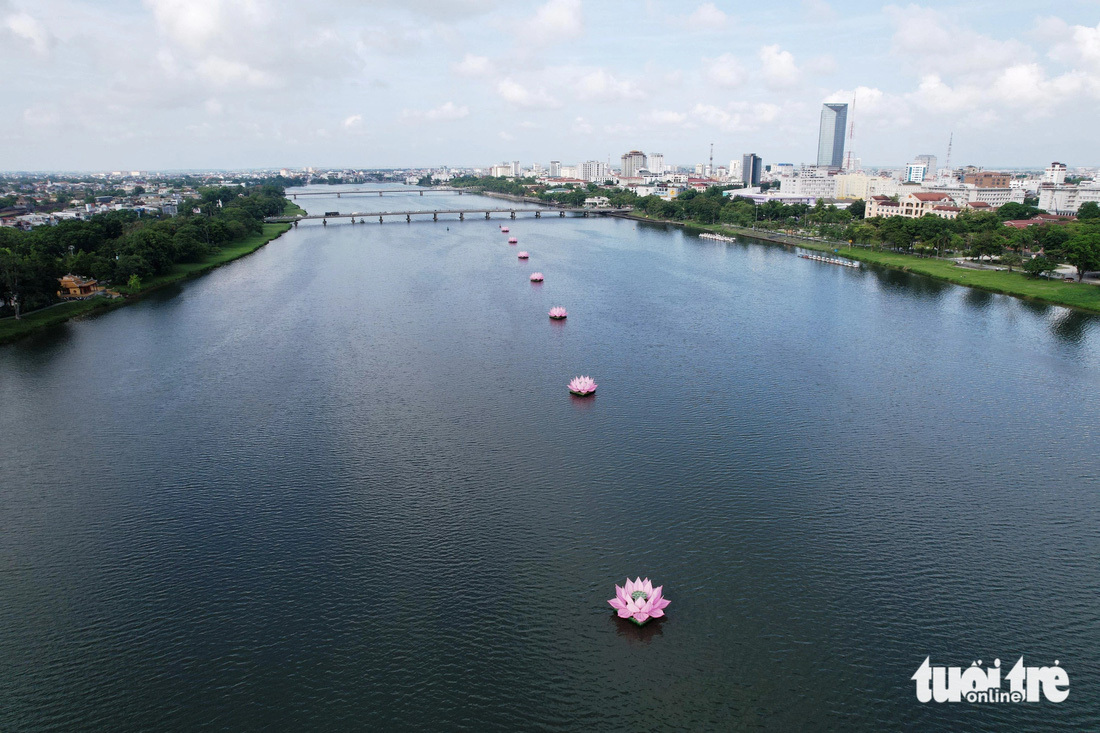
{"x":223,"y":84}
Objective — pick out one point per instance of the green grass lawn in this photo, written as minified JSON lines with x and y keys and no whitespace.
{"x":1075,"y":295}
{"x":11,"y":329}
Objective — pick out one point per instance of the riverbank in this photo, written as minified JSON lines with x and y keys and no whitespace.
{"x":1056,"y":292}
{"x":12,"y":329}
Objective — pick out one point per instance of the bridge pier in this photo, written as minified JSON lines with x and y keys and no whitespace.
{"x":324,"y":222}
{"x":435,"y":217}
{"x":337,"y":195}
{"x":421,"y":193}
{"x":295,"y":225}
{"x":379,"y":218}
{"x":561,"y":214}
{"x":461,"y":216}
{"x":408,"y":218}
{"x":379,"y":194}
{"x":538,"y":214}
{"x":486,"y":214}
{"x":513,"y":215}
{"x":586,"y":215}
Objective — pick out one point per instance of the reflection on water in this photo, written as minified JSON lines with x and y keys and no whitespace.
{"x":1072,"y":326}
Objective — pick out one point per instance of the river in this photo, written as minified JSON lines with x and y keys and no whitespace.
{"x":340,"y":484}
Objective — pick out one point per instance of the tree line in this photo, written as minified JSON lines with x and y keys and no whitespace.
{"x":122,"y":247}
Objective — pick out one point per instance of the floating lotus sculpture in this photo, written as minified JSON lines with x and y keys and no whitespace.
{"x":558,"y":313}
{"x":522,"y":255}
{"x":639,"y":601}
{"x":513,"y":240}
{"x":504,"y":229}
{"x":536,"y":277}
{"x":582,"y":386}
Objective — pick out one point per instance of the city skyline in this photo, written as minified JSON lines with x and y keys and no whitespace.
{"x":168,"y":84}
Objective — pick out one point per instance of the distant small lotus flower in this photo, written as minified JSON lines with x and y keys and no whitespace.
{"x":558,"y":313}
{"x":639,"y":601}
{"x":513,"y":240}
{"x":536,"y":277}
{"x":504,"y":229}
{"x":582,"y":386}
{"x":522,"y":255}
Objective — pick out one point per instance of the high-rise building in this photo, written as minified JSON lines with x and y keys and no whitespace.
{"x":929,"y":163}
{"x":830,"y":140}
{"x":555,"y":169}
{"x":735,"y":170}
{"x":633,"y":162}
{"x":1055,"y":174}
{"x":515,"y":168}
{"x":657,"y":163}
{"x":593,"y":170}
{"x":751,"y":166}
{"x":915,"y":172}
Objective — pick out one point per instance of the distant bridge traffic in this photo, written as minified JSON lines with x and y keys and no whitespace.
{"x":379,"y":191}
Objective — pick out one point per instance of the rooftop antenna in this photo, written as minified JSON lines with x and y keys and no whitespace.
{"x":710,"y":169}
{"x":947,"y":160}
{"x":851,"y":133}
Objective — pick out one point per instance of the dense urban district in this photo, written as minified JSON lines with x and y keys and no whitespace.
{"x":73,"y":243}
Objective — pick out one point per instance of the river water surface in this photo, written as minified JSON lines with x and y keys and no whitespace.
{"x":340,"y":484}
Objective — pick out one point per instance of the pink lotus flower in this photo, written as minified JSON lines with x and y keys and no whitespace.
{"x":513,"y":240}
{"x":639,"y":601}
{"x":582,"y":386}
{"x":557,"y":313}
{"x":522,"y":255}
{"x":536,"y":277}
{"x":504,"y":229}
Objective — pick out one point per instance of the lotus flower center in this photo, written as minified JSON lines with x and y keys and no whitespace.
{"x":639,"y":594}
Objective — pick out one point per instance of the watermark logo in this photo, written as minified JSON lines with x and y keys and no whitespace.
{"x":983,"y":685}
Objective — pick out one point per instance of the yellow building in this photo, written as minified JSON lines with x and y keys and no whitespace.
{"x":75,"y":286}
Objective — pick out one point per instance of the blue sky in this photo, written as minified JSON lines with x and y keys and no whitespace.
{"x":258,"y":83}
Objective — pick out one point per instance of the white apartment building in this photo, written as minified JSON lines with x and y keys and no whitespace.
{"x":965,"y":193}
{"x":1066,"y":198}
{"x":568,"y":171}
{"x":555,"y":169}
{"x":862,"y":186}
{"x":915,"y":172}
{"x":657,"y":163}
{"x":1055,"y":173}
{"x":593,"y":170}
{"x":818,"y":187}
{"x":735,"y":169}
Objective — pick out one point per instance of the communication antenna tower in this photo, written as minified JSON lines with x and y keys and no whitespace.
{"x":851,"y":133}
{"x":710,"y":170}
{"x":947,"y":160}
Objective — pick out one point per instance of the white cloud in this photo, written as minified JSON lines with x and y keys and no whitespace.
{"x":506,"y":136}
{"x":353,"y":121}
{"x":29,"y":29}
{"x":665,"y":117}
{"x":725,"y":71}
{"x":778,"y":66}
{"x":706,"y":17}
{"x":473,"y":66}
{"x":582,"y":126}
{"x":224,"y":72}
{"x":737,"y":116}
{"x":939,"y":44}
{"x":601,"y":86}
{"x":554,"y":22}
{"x":520,"y":95}
{"x":212,"y":106}
{"x":443,"y":113}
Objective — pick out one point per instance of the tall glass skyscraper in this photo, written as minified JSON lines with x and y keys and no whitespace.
{"x":830,"y":141}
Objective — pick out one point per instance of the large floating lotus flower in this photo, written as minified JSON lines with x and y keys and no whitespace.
{"x":522,"y":255}
{"x":582,"y":386}
{"x":513,"y":240}
{"x":558,"y":313}
{"x":639,"y":601}
{"x":504,"y":229}
{"x":536,"y":277}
